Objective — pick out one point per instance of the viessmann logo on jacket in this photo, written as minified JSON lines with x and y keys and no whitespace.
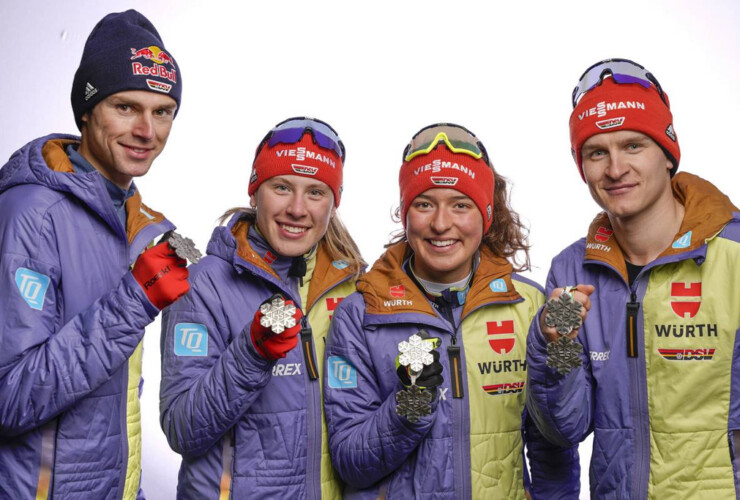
{"x":685,"y":303}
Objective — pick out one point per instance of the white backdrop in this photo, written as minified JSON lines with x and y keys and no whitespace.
{"x":378,"y":72}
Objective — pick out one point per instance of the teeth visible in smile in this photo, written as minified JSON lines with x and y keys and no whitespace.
{"x":293,"y":229}
{"x":442,"y":243}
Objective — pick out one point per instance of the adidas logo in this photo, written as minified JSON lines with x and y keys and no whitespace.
{"x":90,"y":91}
{"x":670,"y":133}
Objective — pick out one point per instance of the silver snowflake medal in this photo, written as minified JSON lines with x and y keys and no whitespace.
{"x":276,"y":315}
{"x":415,"y":354}
{"x":563,"y":355}
{"x":563,"y":313}
{"x":413,"y":403}
{"x":184,"y":247}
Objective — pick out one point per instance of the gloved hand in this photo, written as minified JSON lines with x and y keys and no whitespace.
{"x":431,"y":375}
{"x":271,"y":345}
{"x":162,"y":274}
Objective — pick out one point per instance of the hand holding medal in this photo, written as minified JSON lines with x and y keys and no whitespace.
{"x":420,"y":371}
{"x":561,"y":318}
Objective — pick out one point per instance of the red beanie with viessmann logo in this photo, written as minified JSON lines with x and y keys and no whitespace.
{"x":610,"y":107}
{"x":442,"y":168}
{"x":304,"y":158}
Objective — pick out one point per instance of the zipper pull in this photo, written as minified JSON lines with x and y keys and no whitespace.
{"x":309,"y":353}
{"x":453,"y":352}
{"x":633,"y":307}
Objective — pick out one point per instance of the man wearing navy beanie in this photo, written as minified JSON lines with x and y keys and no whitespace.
{"x":79,"y":279}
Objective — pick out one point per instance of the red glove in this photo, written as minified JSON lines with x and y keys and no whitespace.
{"x":162,"y":274}
{"x":271,"y":345}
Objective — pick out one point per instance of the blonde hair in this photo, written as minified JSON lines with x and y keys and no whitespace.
{"x":339,"y":243}
{"x":507,"y":236}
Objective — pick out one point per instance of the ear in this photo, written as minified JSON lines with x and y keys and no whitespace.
{"x":253,"y":201}
{"x":333,"y":212}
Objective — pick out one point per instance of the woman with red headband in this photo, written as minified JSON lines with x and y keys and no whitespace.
{"x":240,"y":401}
{"x":425,"y":377}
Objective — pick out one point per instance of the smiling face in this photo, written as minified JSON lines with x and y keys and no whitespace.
{"x":445,"y":229}
{"x":293,"y":212}
{"x":125,"y":132}
{"x":627,"y":174}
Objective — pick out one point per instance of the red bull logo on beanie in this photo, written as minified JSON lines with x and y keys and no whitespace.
{"x":154,"y":54}
{"x":160,"y":59}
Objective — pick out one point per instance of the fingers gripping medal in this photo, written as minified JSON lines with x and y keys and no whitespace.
{"x":184,"y":247}
{"x":276,"y":315}
{"x":563,"y":314}
{"x":414,"y":401}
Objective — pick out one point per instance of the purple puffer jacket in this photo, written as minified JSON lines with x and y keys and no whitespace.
{"x":659,"y":386}
{"x":72,"y":316}
{"x":247,"y":427}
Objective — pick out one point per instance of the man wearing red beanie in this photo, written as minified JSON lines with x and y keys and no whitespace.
{"x":639,"y":341}
{"x":77,"y":282}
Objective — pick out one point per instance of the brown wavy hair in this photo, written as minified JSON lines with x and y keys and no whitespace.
{"x":507,"y":237}
{"x":338,"y":241}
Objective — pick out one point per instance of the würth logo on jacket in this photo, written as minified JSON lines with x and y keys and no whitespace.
{"x":603,"y":234}
{"x":331,"y":304}
{"x":501,"y":336}
{"x":397,"y":292}
{"x":685,"y":299}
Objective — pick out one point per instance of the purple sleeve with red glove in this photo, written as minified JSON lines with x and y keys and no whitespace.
{"x":162,"y":275}
{"x":275,"y":327}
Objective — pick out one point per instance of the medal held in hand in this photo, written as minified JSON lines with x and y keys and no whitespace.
{"x":184,"y":247}
{"x":276,"y":315}
{"x":414,"y":402}
{"x":563,"y":355}
{"x":563,"y":313}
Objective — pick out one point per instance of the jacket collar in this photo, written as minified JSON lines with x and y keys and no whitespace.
{"x":707,"y":211}
{"x":387,"y":289}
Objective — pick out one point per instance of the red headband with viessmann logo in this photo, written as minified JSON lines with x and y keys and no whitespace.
{"x":442,"y":168}
{"x":610,"y":107}
{"x":304,"y":158}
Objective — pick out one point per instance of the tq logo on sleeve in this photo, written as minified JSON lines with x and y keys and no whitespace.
{"x":191,"y":339}
{"x":32,"y":286}
{"x":342,"y":375}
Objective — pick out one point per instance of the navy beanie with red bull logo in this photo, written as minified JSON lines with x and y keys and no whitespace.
{"x":123,"y":52}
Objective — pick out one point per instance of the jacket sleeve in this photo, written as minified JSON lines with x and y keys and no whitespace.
{"x":47,"y":364}
{"x":210,"y":375}
{"x":367,"y":438}
{"x":561,"y":406}
{"x":555,"y":471}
